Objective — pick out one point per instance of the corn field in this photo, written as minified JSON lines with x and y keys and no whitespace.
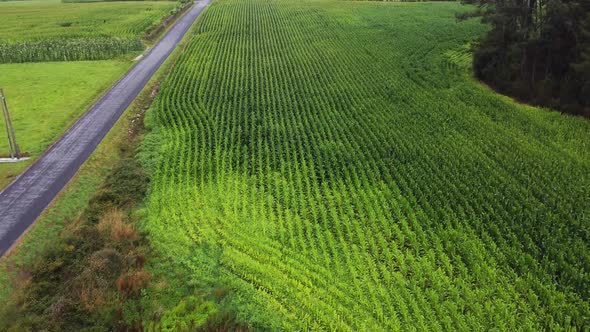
{"x":335,"y":167}
{"x":70,"y":49}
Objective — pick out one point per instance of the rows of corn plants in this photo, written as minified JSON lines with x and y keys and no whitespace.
{"x":69,"y":49}
{"x":328,"y":164}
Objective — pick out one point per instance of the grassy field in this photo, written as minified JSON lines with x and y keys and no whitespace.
{"x":332,"y":165}
{"x":32,"y":20}
{"x":34,"y":31}
{"x":46,"y":98}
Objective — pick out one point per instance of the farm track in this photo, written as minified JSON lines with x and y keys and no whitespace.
{"x":24,"y":200}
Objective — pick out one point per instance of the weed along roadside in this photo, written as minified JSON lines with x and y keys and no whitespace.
{"x":92,"y":273}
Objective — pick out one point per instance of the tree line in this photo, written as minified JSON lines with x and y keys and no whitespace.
{"x":536,"y":50}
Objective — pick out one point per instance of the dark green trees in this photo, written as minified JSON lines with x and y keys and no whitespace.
{"x":537,"y":50}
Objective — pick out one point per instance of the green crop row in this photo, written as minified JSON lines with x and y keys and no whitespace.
{"x":328,"y":164}
{"x":70,"y":49}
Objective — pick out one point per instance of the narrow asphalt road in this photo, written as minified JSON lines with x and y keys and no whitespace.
{"x":24,"y":200}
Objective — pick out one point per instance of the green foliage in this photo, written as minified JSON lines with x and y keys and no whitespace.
{"x":149,"y":153}
{"x":536,"y":50}
{"x":69,"y":49}
{"x":53,"y":31}
{"x":188,"y":314}
{"x":56,"y":92}
{"x":334,"y":167}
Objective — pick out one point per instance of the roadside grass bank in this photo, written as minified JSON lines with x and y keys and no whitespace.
{"x":81,"y":264}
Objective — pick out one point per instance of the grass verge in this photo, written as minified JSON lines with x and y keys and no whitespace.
{"x":59,"y":275}
{"x":47,"y":98}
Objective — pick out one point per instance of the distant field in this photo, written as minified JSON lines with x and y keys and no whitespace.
{"x":331,"y":165}
{"x":87,"y":1}
{"x":32,"y":20}
{"x":46,"y":98}
{"x":33,"y":31}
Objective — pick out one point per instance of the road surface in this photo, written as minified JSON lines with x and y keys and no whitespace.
{"x":24,"y":200}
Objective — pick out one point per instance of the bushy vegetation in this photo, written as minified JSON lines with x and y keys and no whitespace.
{"x":332,"y":165}
{"x":93,"y":271}
{"x":53,"y":31}
{"x":90,"y":274}
{"x":537,"y":50}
